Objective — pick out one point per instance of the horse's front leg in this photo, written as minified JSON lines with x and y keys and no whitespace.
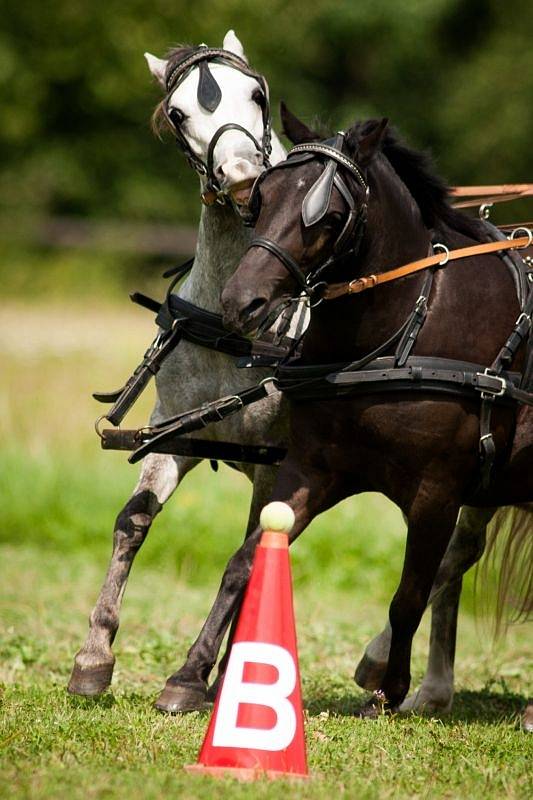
{"x":186,"y":689}
{"x":431,"y":524}
{"x":177,"y":697}
{"x":465,"y":549}
{"x":264,"y":481}
{"x":93,"y":664}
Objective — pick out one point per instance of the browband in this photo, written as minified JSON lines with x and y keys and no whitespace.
{"x":205,"y":54}
{"x":331,"y":152}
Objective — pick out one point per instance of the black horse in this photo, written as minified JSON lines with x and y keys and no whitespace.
{"x":327,"y":218}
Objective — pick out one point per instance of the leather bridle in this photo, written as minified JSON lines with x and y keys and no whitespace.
{"x":315,"y":206}
{"x":209,"y":99}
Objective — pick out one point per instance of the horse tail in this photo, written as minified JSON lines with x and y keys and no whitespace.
{"x":509,"y":552}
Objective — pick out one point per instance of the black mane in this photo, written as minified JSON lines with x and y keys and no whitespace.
{"x":431,"y":193}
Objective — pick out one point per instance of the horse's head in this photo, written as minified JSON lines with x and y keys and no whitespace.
{"x":310,"y":213}
{"x":218,"y":109}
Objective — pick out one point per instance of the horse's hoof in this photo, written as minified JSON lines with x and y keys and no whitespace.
{"x":527,"y":719}
{"x":369,"y":673}
{"x":92,"y":681}
{"x":175,"y":699}
{"x":426,"y":701}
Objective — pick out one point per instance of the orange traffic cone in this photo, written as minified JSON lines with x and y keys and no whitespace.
{"x":256,"y":728}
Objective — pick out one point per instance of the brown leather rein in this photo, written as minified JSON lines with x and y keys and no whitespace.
{"x":488,"y":195}
{"x":358,"y":285}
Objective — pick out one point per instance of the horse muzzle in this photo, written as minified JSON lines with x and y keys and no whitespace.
{"x":239,"y":192}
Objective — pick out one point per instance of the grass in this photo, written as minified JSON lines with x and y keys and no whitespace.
{"x":60,"y":497}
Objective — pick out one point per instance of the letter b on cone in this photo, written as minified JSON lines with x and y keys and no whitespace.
{"x":228,"y":732}
{"x":257,"y":723}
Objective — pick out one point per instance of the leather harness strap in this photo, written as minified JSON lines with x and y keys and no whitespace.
{"x":358,"y":285}
{"x":284,"y":256}
{"x":507,"y":226}
{"x":490,"y":200}
{"x":166,"y":432}
{"x":497,"y":189}
{"x":177,"y":445}
{"x":486,"y":196}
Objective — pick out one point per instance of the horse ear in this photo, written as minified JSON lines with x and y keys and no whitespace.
{"x":370,"y":143}
{"x":233,"y":44}
{"x":295,"y":130}
{"x":158,"y":68}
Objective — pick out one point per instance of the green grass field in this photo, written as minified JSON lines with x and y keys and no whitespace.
{"x":60,"y":497}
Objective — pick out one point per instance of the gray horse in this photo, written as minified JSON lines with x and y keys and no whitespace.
{"x":192,"y":375}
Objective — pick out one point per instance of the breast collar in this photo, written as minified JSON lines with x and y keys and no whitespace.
{"x":314,"y":207}
{"x":209,"y":96}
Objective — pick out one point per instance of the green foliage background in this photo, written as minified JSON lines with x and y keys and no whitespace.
{"x":455,"y":75}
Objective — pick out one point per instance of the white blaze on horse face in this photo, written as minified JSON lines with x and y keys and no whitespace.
{"x":236,"y":158}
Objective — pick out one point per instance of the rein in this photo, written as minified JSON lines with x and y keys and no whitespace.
{"x":486,"y":196}
{"x":358,"y":285}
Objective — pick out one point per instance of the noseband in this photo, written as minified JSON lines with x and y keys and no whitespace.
{"x":209,"y":97}
{"x":315,"y":206}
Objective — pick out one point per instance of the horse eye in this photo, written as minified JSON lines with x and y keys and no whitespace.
{"x":177,"y":117}
{"x":335,"y":218}
{"x":259,"y":97}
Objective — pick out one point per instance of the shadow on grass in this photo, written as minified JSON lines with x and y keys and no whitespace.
{"x":346,"y":705}
{"x":489,"y":708}
{"x":132,"y":699}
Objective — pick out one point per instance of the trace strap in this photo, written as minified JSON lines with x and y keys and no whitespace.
{"x":155,"y":437}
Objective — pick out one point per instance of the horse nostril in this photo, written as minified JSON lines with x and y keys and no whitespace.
{"x":219,"y":172}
